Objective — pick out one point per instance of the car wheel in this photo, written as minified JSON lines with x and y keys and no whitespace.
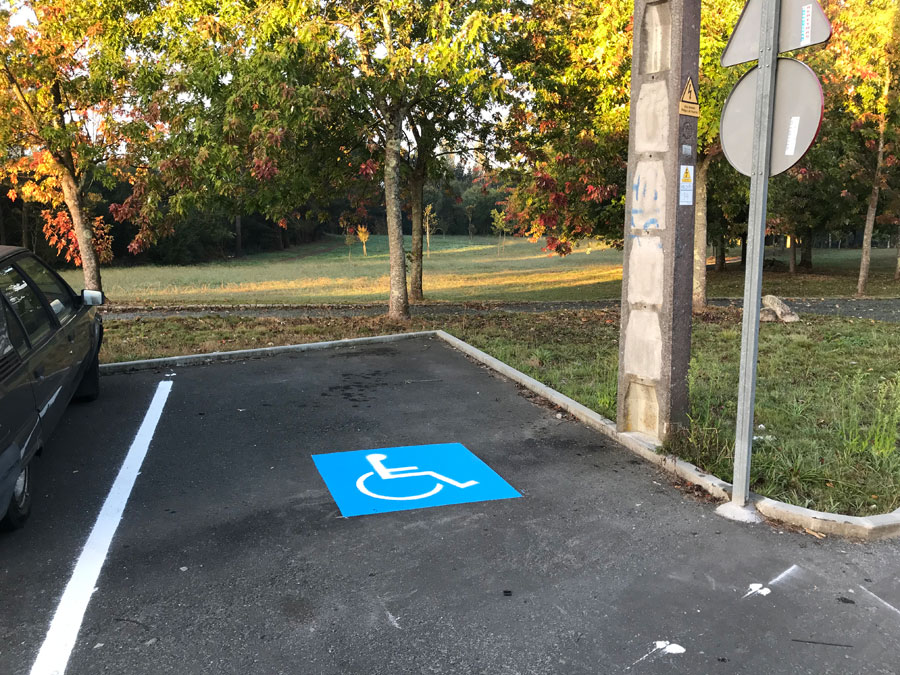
{"x":89,"y":389}
{"x":20,"y":503}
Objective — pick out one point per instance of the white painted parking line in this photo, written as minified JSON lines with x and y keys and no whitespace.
{"x":885,"y":603}
{"x":54,"y":654}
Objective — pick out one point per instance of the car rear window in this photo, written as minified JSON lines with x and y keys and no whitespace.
{"x":59,"y":297}
{"x":25,"y":303}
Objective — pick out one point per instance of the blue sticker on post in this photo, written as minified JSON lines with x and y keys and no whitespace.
{"x":412,"y":477}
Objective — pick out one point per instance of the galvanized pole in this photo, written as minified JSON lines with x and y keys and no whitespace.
{"x":756,"y":238}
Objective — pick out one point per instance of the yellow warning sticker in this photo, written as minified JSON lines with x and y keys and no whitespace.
{"x":689,"y":105}
{"x":686,"y":188}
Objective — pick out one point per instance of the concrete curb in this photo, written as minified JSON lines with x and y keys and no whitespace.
{"x":238,"y":355}
{"x":868,"y":528}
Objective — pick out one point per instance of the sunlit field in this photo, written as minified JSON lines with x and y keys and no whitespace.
{"x":457,"y":270}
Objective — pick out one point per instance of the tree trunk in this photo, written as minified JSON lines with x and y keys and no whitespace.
{"x":398,"y":304}
{"x":873,"y":200}
{"x":792,"y":261}
{"x":744,"y":250}
{"x":238,"y":243}
{"x":698,"y":298}
{"x":870,"y":219}
{"x":897,"y":271}
{"x":2,"y":226}
{"x":721,"y":254}
{"x":26,"y":231}
{"x":417,"y":201}
{"x":806,"y":251}
{"x":89,"y":263}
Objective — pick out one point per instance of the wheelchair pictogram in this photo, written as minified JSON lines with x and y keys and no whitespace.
{"x":387,"y":473}
{"x":406,"y":478}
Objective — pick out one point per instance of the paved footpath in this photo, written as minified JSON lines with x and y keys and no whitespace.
{"x":232,"y":556}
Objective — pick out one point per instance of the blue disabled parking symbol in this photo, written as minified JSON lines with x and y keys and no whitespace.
{"x":410,"y":477}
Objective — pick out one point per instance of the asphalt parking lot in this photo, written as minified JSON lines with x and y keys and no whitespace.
{"x":232,"y":555}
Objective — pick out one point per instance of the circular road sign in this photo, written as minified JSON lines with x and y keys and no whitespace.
{"x":799,"y":105}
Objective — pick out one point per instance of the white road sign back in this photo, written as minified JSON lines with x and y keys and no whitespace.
{"x":799,"y":105}
{"x":803,"y":23}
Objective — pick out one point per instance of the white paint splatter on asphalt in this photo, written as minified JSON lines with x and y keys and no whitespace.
{"x":660,"y":647}
{"x":757,"y":589}
{"x":392,"y":619}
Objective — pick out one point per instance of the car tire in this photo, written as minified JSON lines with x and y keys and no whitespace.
{"x":20,"y":502}
{"x":89,"y":388}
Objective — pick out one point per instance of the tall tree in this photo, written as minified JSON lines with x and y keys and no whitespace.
{"x":567,"y":132}
{"x":454,"y":118}
{"x":63,"y":79}
{"x":867,"y":63}
{"x":399,"y":54}
{"x":715,"y":84}
{"x":238,"y":110}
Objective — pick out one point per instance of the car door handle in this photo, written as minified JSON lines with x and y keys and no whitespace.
{"x":71,"y":337}
{"x":39,"y":372}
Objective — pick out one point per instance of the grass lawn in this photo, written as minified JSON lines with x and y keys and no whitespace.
{"x":458,"y":270}
{"x":835,"y":273}
{"x":828,"y":395}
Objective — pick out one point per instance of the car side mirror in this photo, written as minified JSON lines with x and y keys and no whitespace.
{"x":92,"y":298}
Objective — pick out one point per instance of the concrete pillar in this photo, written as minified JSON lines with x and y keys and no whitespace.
{"x":655,"y":342}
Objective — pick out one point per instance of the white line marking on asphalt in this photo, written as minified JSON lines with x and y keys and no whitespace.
{"x":883,"y":602}
{"x":54,"y":655}
{"x":784,"y":575}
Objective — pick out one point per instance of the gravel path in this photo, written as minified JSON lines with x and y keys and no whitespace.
{"x":881,"y":309}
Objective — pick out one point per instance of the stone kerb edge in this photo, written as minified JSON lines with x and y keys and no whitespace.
{"x":240,"y":354}
{"x":869,"y":528}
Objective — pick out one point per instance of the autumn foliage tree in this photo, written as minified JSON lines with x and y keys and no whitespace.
{"x":714,"y":87}
{"x":63,"y":78}
{"x":239,"y":109}
{"x":866,"y":75}
{"x":567,"y":133}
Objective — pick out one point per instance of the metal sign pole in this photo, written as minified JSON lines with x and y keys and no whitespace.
{"x":756,"y":238}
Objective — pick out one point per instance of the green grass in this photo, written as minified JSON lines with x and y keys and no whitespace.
{"x":828,"y":394}
{"x":834,"y":275}
{"x":828,"y":400}
{"x":458,"y":270}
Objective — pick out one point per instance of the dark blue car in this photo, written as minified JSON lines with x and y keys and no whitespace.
{"x":49,"y":344}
